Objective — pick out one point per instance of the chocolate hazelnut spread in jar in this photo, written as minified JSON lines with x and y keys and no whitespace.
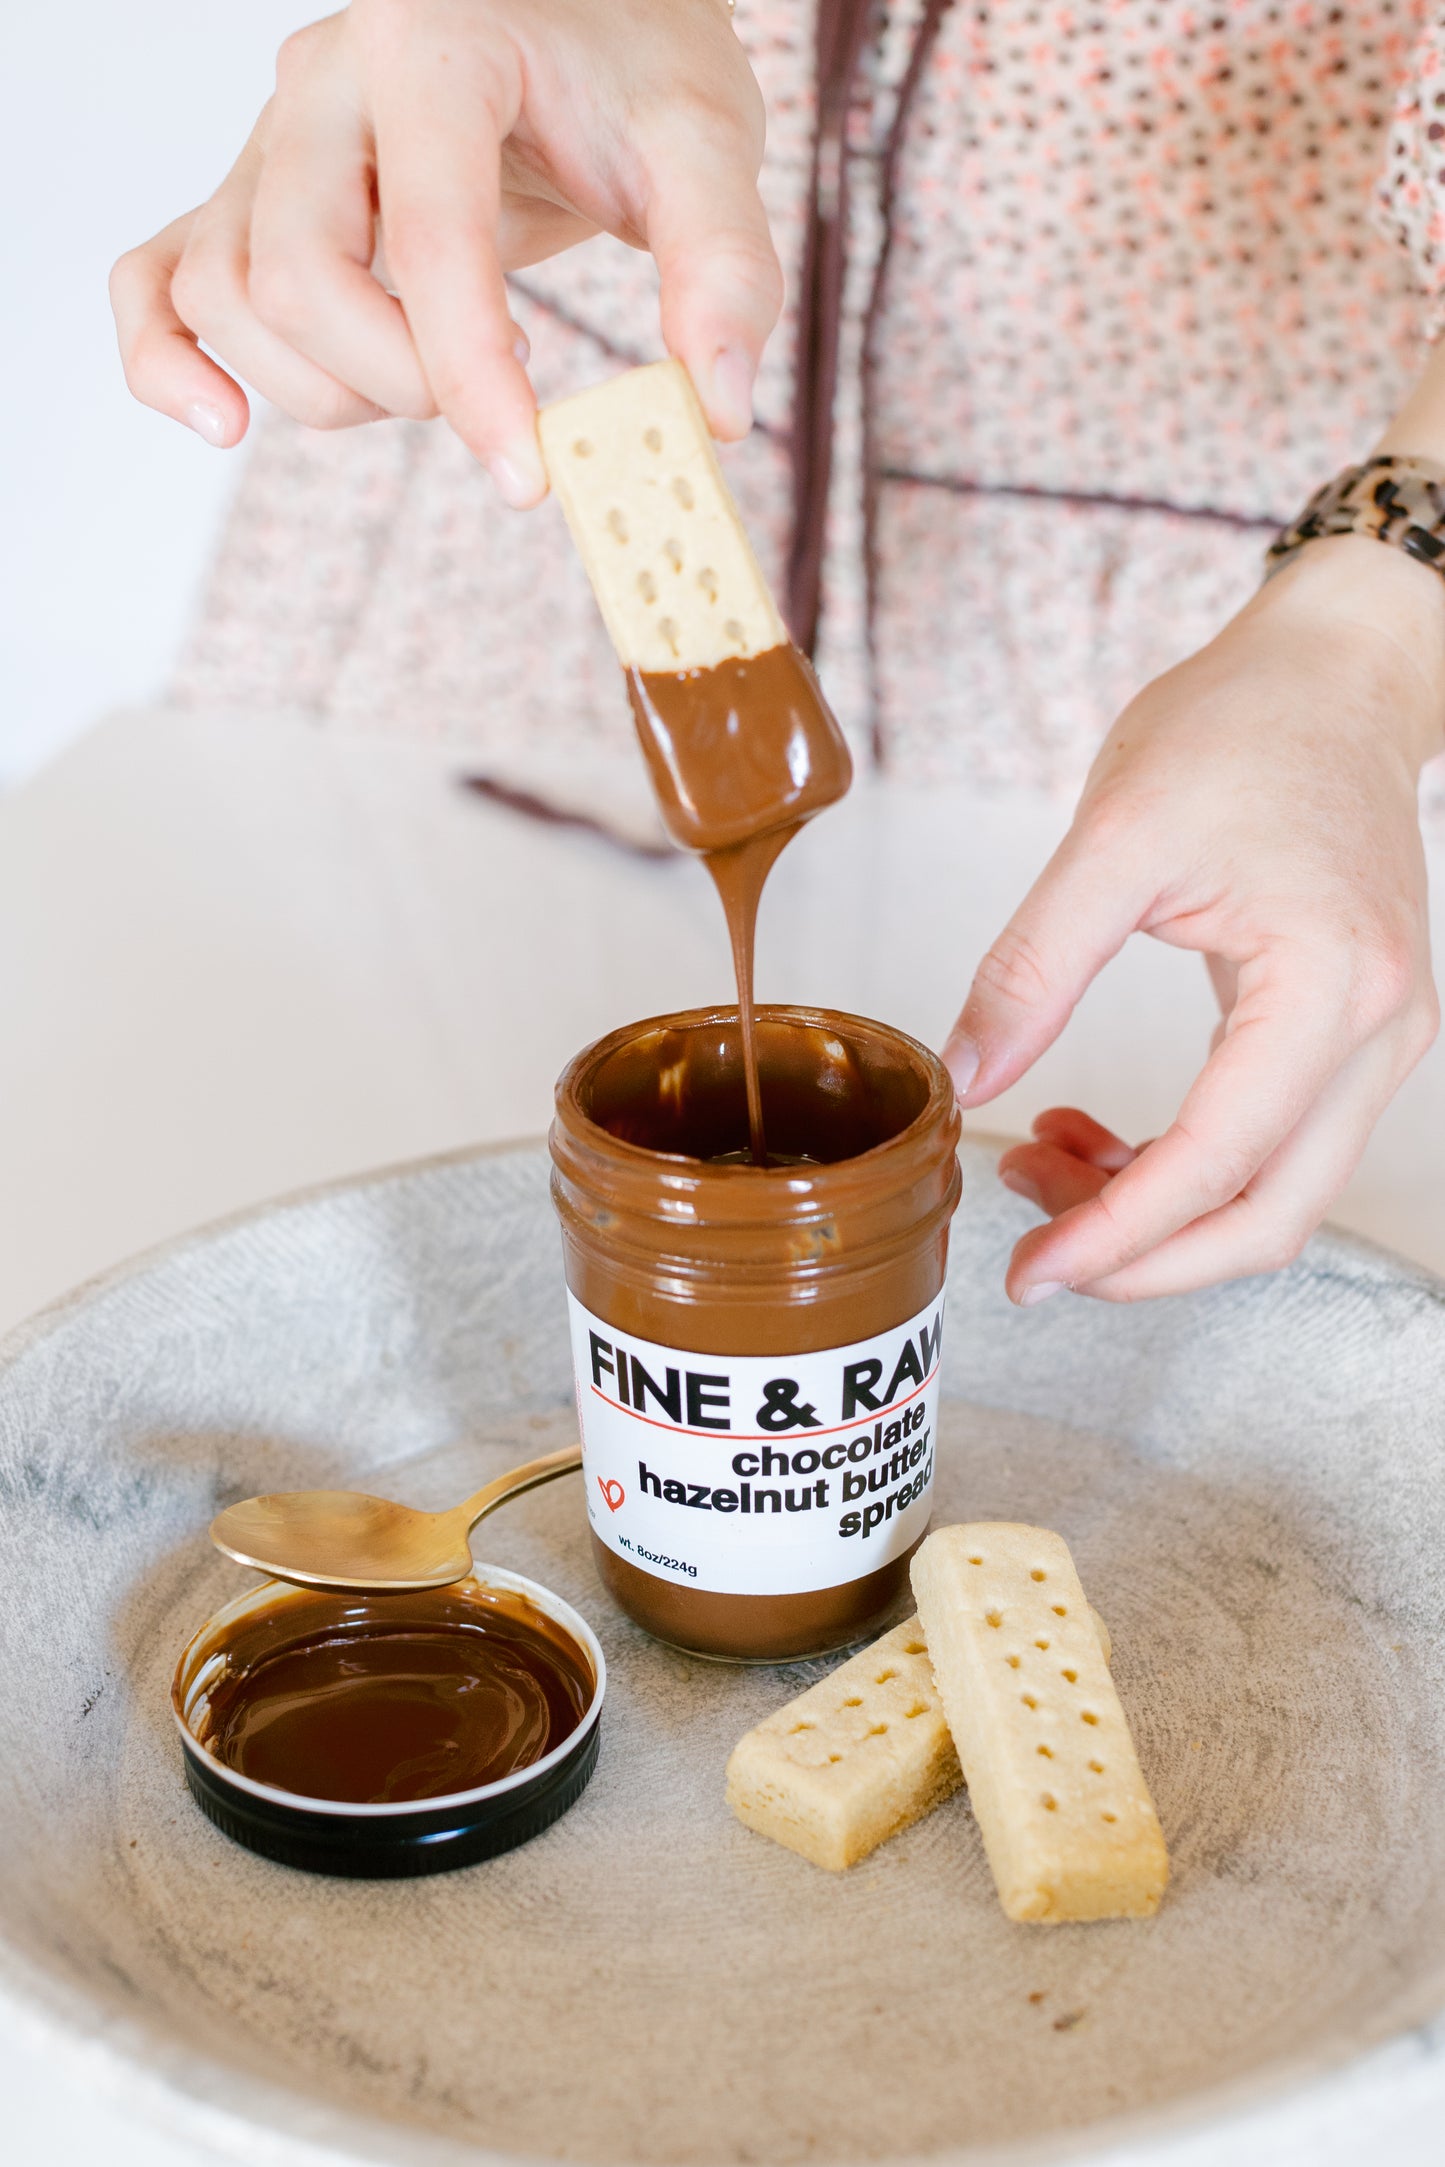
{"x":756,"y":1347}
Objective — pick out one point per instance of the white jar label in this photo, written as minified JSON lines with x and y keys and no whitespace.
{"x":758,"y":1474}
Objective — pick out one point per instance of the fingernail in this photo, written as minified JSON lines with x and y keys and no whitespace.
{"x":1040,"y":1292}
{"x":731,"y":392}
{"x":208,"y":422}
{"x":518,"y":475}
{"x":521,"y":345}
{"x":961,"y":1058}
{"x":1022,"y":1186}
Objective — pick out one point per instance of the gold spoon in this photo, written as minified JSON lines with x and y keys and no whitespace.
{"x":345,"y":1539}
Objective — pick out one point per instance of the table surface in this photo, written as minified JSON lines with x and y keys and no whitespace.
{"x":240,"y":955}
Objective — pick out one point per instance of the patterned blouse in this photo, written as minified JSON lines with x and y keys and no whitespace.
{"x":1121,"y":282}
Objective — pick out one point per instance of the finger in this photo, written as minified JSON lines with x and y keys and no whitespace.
{"x":164,"y":367}
{"x":721,"y":283}
{"x":439,"y":132}
{"x":1086,"y":1138}
{"x":530,"y":229}
{"x":210,"y":292}
{"x":1050,"y":1177}
{"x":1079,"y":913}
{"x":1267,"y":1225}
{"x":1286,"y":1040}
{"x":1224,"y":977}
{"x":313,"y":238}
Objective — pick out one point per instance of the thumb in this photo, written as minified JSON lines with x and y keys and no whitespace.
{"x":722,"y":286}
{"x":1079,"y":913}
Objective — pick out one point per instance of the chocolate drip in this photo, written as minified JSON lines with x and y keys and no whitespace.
{"x":740,"y":756}
{"x":738,"y":874}
{"x":741,"y":749}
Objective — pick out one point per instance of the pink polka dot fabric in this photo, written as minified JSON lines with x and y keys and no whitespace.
{"x":1154,"y":270}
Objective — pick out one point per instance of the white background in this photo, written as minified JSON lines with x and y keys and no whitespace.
{"x":119,"y":114}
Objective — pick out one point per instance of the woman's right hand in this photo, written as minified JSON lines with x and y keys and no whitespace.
{"x":468,"y":138}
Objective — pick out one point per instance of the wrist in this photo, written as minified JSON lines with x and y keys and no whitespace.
{"x":1383,"y":613}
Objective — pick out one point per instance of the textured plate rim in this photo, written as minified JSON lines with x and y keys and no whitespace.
{"x":201,"y":2100}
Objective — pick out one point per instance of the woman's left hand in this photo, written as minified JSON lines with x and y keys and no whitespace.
{"x":1259,"y":804}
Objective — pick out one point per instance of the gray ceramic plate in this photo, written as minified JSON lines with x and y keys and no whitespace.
{"x":1251,"y":1481}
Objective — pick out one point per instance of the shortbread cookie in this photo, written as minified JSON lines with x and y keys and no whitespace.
{"x":1056,"y":1788}
{"x":854,"y":1759}
{"x":851,"y":1761}
{"x":634,"y":468}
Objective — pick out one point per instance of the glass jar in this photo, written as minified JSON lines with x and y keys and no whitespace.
{"x":756,"y":1348}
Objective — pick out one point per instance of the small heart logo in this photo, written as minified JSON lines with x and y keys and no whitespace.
{"x":612,"y":1491}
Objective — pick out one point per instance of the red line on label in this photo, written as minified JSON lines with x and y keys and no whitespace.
{"x":765,"y":1437}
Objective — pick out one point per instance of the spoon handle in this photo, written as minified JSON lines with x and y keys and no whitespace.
{"x":527,"y":1477}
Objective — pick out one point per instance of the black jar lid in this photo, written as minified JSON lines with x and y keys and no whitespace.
{"x":390,"y":1841}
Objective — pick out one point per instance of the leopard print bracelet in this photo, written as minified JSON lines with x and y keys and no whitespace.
{"x":1395,"y":498}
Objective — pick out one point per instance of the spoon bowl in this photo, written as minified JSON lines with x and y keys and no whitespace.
{"x":346,"y":1540}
